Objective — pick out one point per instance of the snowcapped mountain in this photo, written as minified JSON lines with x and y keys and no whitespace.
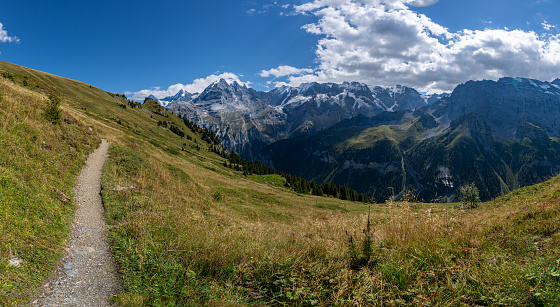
{"x":239,"y":115}
{"x":247,"y":120}
{"x":181,"y":96}
{"x":500,"y":135}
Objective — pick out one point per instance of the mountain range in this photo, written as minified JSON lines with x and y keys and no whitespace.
{"x":247,"y":120}
{"x":391,"y":142}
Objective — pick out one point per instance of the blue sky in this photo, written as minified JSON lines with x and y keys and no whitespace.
{"x":147,"y":47}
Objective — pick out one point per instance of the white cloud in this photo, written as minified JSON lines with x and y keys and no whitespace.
{"x":423,"y":3}
{"x":285,"y":70}
{"x":386,"y":43}
{"x":5,"y":38}
{"x":548,"y":26}
{"x":382,"y":4}
{"x":197,"y":86}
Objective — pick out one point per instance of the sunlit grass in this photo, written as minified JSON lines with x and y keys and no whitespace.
{"x":258,"y":244}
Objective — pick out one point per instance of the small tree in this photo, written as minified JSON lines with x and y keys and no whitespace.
{"x":53,"y":110}
{"x":469,"y":196}
{"x":367,"y":256}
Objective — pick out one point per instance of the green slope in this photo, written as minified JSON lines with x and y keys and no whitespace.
{"x":411,"y":153}
{"x":194,"y":233}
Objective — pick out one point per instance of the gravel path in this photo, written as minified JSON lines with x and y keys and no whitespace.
{"x":87,"y":274}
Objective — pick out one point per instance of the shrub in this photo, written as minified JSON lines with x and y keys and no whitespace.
{"x":469,"y":196}
{"x":53,"y":110}
{"x":8,"y":76}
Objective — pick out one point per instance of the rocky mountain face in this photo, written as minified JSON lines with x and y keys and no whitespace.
{"x":240,"y":116}
{"x":500,"y":135}
{"x":247,"y":120}
{"x":507,"y":103}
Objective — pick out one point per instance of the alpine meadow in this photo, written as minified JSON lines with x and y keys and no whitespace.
{"x":190,"y":227}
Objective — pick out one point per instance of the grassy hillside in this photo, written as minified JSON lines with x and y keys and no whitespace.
{"x":190,"y":238}
{"x":36,"y":156}
{"x":189,"y":232}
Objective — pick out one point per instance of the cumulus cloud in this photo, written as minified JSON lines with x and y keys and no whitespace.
{"x":285,"y":70}
{"x":5,"y":38}
{"x":197,"y":86}
{"x":382,"y":42}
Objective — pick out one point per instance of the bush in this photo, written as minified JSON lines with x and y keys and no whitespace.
{"x":53,"y":110}
{"x":8,"y":76}
{"x":469,"y":196}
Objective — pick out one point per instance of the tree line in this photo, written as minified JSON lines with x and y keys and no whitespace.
{"x":296,"y":183}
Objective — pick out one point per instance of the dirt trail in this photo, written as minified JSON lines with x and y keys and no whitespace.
{"x":87,"y":274}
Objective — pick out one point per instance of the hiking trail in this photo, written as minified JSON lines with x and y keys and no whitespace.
{"x":86,"y":274}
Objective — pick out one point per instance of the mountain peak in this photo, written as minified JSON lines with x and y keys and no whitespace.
{"x":181,"y":95}
{"x":356,"y":86}
{"x":226,"y":83}
{"x":152,"y":97}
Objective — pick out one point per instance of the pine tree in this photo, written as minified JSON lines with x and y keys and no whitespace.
{"x":53,"y":113}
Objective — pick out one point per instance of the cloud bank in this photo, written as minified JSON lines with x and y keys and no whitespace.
{"x":386,"y":43}
{"x":197,"y":86}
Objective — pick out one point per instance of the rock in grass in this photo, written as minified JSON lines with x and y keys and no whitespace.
{"x":15,"y":262}
{"x":63,"y":198}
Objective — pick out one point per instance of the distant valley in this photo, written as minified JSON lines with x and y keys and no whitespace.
{"x":391,"y":142}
